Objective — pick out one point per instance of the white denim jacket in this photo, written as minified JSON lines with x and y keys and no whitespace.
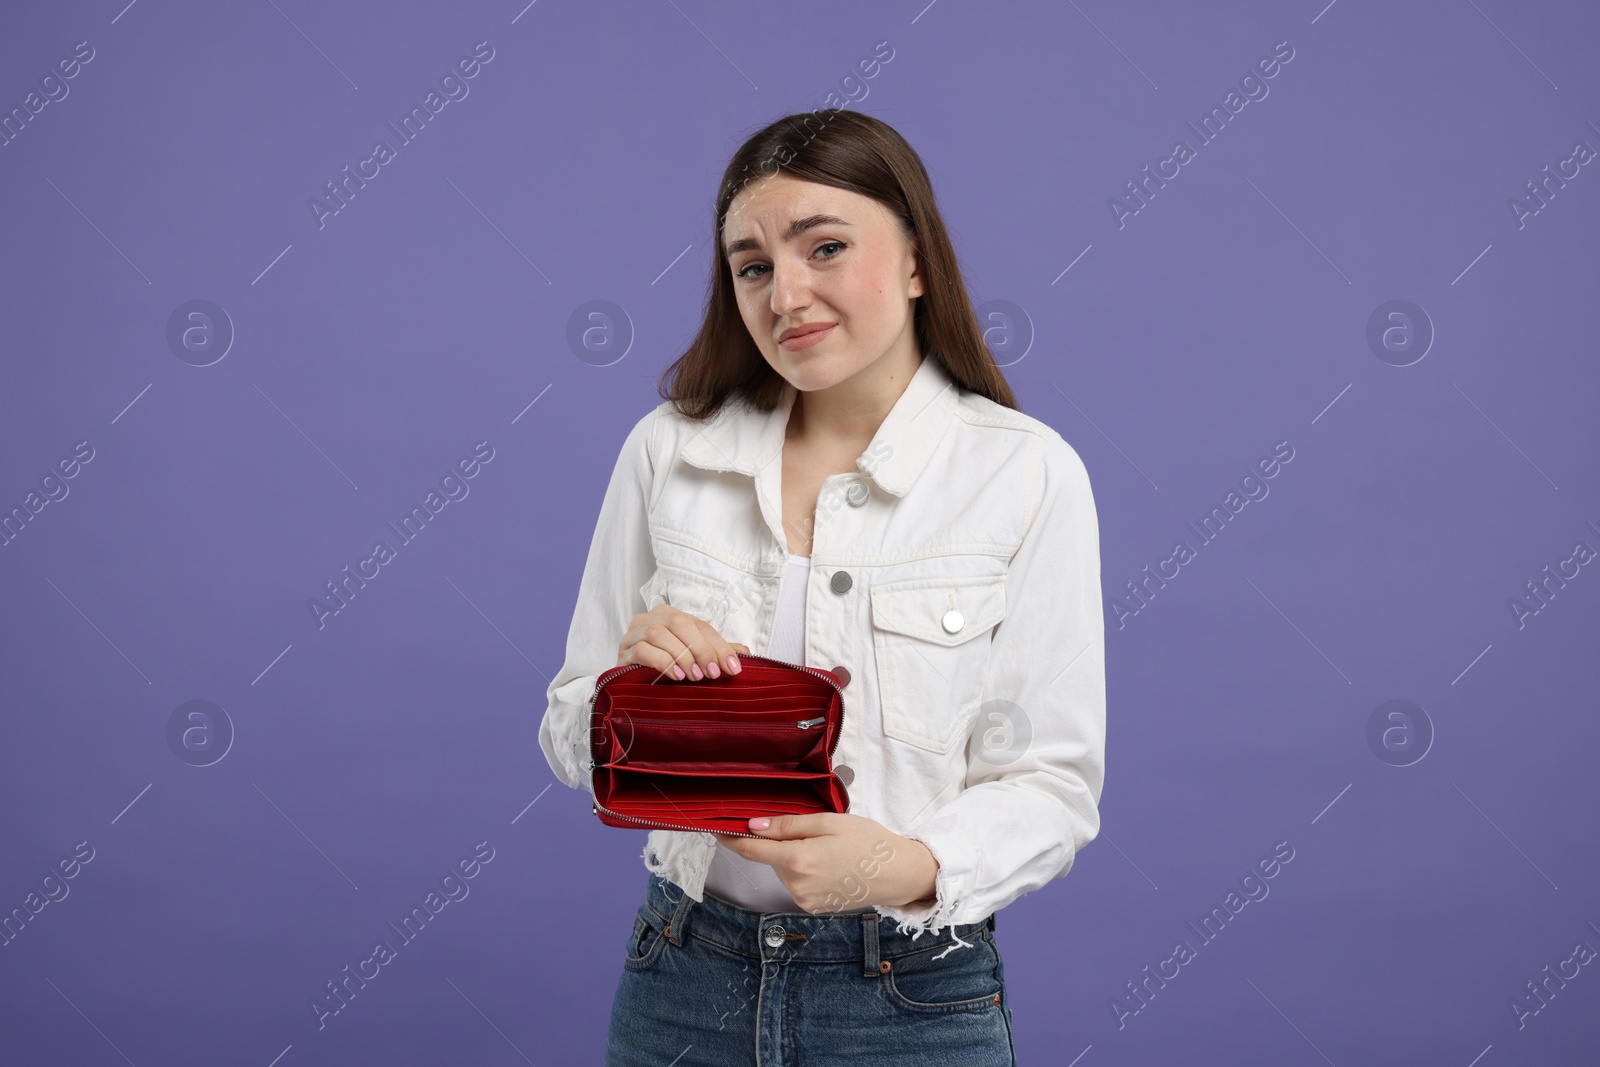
{"x":955,"y":575}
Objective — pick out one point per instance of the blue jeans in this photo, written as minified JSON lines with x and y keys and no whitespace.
{"x":712,"y":984}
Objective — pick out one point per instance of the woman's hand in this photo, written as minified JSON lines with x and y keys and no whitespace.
{"x":833,"y":861}
{"x":676,"y":643}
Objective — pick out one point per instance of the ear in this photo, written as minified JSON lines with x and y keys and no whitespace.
{"x":914,"y":284}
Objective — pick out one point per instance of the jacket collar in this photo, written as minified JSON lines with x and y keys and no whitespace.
{"x":739,"y":438}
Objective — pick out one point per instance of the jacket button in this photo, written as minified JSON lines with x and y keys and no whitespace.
{"x":952,"y":621}
{"x":857,"y":494}
{"x":841,"y":582}
{"x":843,"y":674}
{"x":846,"y":775}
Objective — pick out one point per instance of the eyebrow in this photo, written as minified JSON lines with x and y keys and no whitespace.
{"x":796,"y":228}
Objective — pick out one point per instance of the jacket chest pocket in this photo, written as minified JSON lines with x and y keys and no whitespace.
{"x":931,"y":637}
{"x":700,"y":595}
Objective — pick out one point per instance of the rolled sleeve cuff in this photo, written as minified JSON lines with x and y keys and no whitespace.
{"x":573,"y":754}
{"x":953,"y":904}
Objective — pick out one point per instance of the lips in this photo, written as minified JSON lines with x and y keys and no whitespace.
{"x":805,"y":336}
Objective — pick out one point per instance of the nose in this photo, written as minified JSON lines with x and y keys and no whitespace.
{"x":791,"y":289}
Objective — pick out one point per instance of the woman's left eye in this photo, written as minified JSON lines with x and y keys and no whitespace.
{"x":745,"y":272}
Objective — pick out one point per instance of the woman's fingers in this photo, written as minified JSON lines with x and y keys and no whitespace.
{"x":651,"y":643}
{"x":647,"y":651}
{"x":682,"y":646}
{"x":704,"y":647}
{"x":714,"y":656}
{"x":727,"y":661}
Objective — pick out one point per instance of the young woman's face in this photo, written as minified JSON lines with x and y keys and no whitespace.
{"x":804,"y":255}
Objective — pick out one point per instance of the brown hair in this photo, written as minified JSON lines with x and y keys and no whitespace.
{"x":851,"y":151}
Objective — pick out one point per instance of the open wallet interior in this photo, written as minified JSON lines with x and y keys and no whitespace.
{"x":712,"y":754}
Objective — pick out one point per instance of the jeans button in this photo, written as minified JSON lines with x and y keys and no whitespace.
{"x":774,"y":936}
{"x":841,"y":582}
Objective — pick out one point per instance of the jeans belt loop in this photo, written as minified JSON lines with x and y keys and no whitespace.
{"x":869,"y":944}
{"x":680,"y":918}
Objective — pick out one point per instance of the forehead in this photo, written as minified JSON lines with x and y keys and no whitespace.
{"x":768,"y":205}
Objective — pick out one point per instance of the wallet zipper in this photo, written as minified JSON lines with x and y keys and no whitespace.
{"x":596,"y":807}
{"x":824,"y":675}
{"x":804,"y":724}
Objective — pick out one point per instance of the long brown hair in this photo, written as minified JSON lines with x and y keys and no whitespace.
{"x":847,"y":150}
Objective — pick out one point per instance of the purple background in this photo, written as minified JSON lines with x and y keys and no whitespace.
{"x":432,"y":312}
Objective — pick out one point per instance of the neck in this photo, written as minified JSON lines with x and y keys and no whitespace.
{"x":845,"y":416}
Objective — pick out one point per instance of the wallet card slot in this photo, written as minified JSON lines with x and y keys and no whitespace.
{"x":699,"y":711}
{"x":720,"y":768}
{"x":780,"y":744}
{"x":749,"y":675}
{"x":757,"y":709}
{"x":713,"y":770}
{"x":706,"y":691}
{"x":645,"y":793}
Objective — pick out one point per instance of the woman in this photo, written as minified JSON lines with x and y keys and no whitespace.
{"x":840,"y":478}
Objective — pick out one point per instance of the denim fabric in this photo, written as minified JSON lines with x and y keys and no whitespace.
{"x":708,"y":984}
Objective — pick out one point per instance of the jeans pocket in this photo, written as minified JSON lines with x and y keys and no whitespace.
{"x":647,"y":941}
{"x":965,"y":980}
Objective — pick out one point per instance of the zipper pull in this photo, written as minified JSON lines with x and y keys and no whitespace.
{"x":806,"y":724}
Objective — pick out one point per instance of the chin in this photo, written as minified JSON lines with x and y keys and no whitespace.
{"x":822,"y":372}
{"x":808,"y":375}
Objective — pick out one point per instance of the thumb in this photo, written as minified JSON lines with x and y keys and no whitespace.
{"x":786,"y":827}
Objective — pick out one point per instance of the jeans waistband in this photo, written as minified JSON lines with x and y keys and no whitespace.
{"x":790,"y":936}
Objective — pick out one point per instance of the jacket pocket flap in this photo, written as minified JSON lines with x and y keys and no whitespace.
{"x":919,"y":608}
{"x":700,"y":595}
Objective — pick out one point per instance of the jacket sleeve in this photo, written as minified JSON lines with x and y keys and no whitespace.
{"x":620,"y":561}
{"x":1036,"y":755}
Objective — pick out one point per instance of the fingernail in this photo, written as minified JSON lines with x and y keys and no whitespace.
{"x":713,"y":669}
{"x":761,"y":823}
{"x":733,"y":663}
{"x":695,"y":672}
{"x":677,"y":672}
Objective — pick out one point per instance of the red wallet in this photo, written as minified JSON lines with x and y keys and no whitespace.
{"x":712,"y":754}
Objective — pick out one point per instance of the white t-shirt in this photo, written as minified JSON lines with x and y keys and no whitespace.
{"x":751,"y":885}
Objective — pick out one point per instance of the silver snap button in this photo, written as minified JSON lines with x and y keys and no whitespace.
{"x":774,"y":936}
{"x":843,"y":674}
{"x":952,"y":621}
{"x":857,"y":494}
{"x":846,"y":775}
{"x":841,"y":582}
